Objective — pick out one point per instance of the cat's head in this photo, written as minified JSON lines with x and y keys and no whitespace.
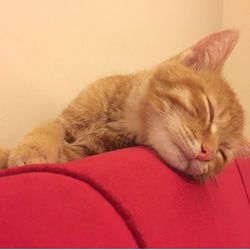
{"x":192,"y":117}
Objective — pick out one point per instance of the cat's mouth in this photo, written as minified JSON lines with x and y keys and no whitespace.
{"x":200,"y":171}
{"x":201,"y":164}
{"x":194,"y":170}
{"x":198,"y":177}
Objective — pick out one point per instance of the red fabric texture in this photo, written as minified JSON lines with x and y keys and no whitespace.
{"x":122,"y":199}
{"x":244,"y":170}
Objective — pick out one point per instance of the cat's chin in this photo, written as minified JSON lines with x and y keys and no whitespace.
{"x":195,"y":170}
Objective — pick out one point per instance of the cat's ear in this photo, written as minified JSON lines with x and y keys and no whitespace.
{"x":243,"y":149}
{"x":211,"y":52}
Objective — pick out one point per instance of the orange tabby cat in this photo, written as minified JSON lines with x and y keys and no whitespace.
{"x":182,"y":108}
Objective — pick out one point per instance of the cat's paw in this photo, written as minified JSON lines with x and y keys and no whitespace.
{"x":26,"y":155}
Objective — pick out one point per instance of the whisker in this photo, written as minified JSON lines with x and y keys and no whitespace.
{"x":215,"y":180}
{"x":188,"y":142}
{"x":189,"y":134}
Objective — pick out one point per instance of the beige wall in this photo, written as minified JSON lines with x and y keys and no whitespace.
{"x":237,"y":14}
{"x":50,"y":49}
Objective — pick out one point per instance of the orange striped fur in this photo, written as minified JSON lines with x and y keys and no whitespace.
{"x":175,"y":108}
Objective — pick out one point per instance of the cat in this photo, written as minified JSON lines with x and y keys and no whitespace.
{"x":182,"y":108}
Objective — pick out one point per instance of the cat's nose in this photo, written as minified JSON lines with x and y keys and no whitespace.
{"x":206,"y":153}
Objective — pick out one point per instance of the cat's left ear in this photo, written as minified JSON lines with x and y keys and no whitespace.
{"x":211,"y":52}
{"x":243,"y":149}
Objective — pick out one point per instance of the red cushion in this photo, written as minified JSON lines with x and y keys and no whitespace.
{"x":125,"y":198}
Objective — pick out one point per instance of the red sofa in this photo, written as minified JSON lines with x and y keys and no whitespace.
{"x":123,"y":199}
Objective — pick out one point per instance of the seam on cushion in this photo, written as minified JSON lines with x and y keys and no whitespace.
{"x":120,"y":210}
{"x":242,"y":180}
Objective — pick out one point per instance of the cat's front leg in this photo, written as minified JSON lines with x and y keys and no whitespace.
{"x":42,"y":145}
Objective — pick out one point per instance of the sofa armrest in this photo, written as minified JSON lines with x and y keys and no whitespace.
{"x":125,"y":198}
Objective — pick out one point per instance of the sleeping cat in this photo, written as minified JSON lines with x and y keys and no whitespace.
{"x":182,"y":108}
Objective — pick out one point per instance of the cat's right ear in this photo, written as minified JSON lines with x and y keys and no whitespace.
{"x":211,"y":52}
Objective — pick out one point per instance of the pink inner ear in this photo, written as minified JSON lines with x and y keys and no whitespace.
{"x":211,"y":52}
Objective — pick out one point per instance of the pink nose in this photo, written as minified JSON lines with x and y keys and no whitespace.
{"x":206,"y":153}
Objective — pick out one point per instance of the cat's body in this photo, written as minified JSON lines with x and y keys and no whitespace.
{"x":182,"y":108}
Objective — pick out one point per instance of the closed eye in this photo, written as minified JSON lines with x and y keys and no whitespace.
{"x":211,"y":111}
{"x":223,"y":155}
